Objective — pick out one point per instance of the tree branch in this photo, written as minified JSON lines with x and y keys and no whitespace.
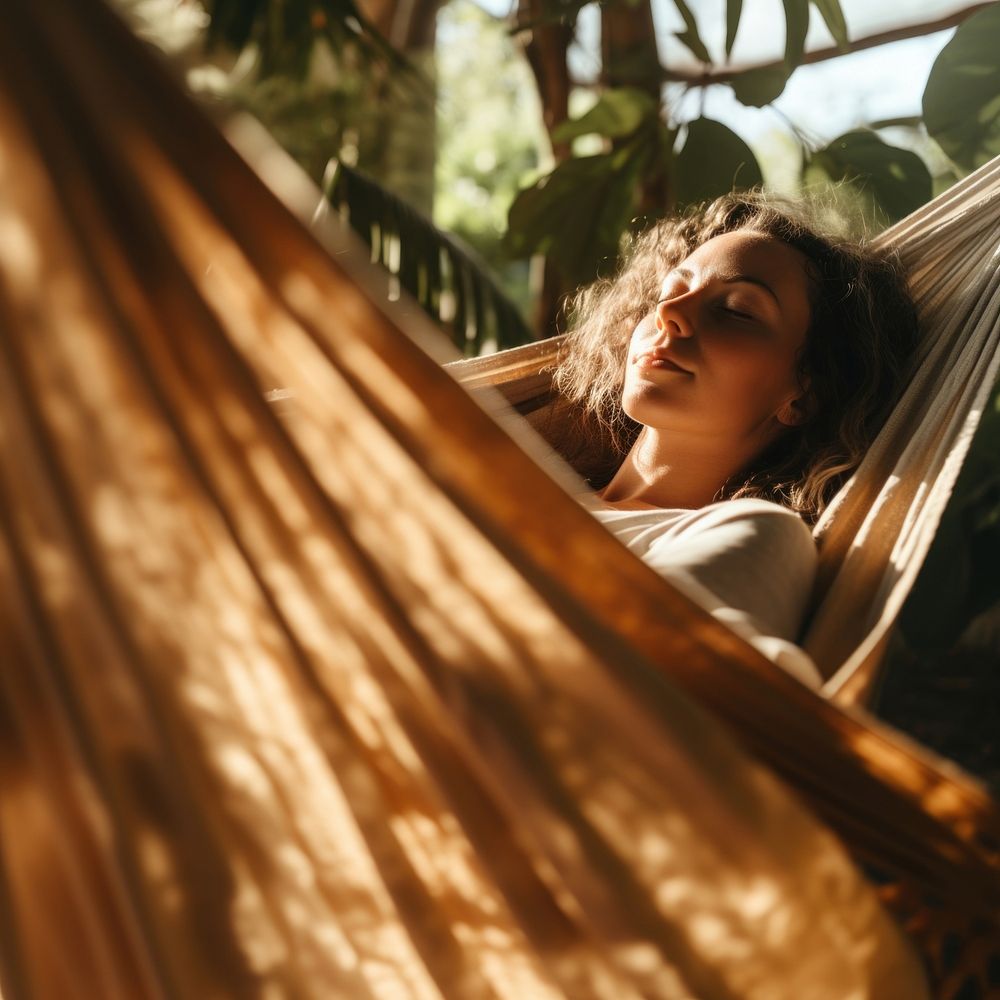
{"x":822,"y":55}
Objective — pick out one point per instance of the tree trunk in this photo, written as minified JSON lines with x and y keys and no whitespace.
{"x":629,"y":58}
{"x":545,"y":46}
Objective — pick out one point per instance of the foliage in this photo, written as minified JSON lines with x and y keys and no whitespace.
{"x":489,"y":137}
{"x":616,"y":114}
{"x":311,"y":117}
{"x":962,"y":100}
{"x":285,"y":33}
{"x":314,"y":88}
{"x":891,"y":181}
{"x":713,"y":159}
{"x":762,"y":85}
{"x":959,"y":578}
{"x":578,"y":213}
{"x":320,"y":86}
{"x":444,"y":277}
{"x":689,"y":36}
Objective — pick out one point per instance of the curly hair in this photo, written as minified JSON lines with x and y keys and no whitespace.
{"x":862,"y":334}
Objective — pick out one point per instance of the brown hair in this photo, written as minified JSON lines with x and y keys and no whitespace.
{"x":862,"y":333}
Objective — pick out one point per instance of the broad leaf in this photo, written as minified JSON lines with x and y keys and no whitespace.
{"x":689,"y":36}
{"x":893,"y":180}
{"x":734,"y":9}
{"x":576,"y":214}
{"x":445,"y":277}
{"x":759,"y":86}
{"x":834,"y":18}
{"x":962,"y":98}
{"x":714,"y":161}
{"x":764,"y":84}
{"x":618,"y":112}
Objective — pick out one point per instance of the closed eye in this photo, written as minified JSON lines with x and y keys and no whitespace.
{"x":738,"y":313}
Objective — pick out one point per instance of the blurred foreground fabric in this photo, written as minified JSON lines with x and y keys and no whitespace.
{"x":347,"y":697}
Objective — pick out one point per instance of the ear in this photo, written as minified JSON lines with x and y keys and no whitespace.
{"x":797,"y":410}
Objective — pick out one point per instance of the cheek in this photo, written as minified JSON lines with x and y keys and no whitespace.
{"x":749,"y":369}
{"x":636,"y":343}
{"x":641,"y":335}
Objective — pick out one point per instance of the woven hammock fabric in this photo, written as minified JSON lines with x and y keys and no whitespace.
{"x":875,"y":535}
{"x":281,"y":716}
{"x":350,"y":698}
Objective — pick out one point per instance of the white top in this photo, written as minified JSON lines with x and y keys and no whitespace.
{"x":751,"y":563}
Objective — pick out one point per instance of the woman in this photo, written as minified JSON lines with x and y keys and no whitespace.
{"x":738,"y":368}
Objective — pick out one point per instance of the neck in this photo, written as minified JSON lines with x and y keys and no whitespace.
{"x":664,"y":470}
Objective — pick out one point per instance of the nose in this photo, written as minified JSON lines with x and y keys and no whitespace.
{"x":672,"y":317}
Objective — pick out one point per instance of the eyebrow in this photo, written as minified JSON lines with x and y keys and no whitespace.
{"x":688,"y":274}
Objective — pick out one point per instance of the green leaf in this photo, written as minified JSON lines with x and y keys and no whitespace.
{"x":480,"y":307}
{"x":759,"y":86}
{"x":690,"y":36}
{"x":796,"y":29}
{"x":734,"y":9}
{"x":834,"y":18}
{"x":714,"y":161}
{"x":577,"y":213}
{"x":285,"y":32}
{"x":764,"y":84}
{"x":891,"y":180}
{"x":618,"y":112}
{"x":961,"y":101}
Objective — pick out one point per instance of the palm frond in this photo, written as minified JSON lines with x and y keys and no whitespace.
{"x":449,"y":281}
{"x":285,"y":32}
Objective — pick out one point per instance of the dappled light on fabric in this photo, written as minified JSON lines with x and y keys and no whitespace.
{"x":285,"y":711}
{"x":346,"y":696}
{"x":877,"y":532}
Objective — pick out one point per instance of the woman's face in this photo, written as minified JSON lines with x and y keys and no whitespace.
{"x":717,"y":355}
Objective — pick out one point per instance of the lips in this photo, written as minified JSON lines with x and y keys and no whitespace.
{"x":659,"y":358}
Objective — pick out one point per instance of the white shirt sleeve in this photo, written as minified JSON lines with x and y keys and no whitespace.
{"x":750,"y":563}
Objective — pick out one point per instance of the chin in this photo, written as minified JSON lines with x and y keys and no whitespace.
{"x":658,"y":413}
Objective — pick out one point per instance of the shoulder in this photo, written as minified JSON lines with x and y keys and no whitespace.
{"x":747,"y":558}
{"x":744,"y":529}
{"x":754,"y":520}
{"x":757,"y":557}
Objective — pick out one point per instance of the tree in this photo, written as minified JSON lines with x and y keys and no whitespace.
{"x":328,"y":83}
{"x":577,"y":213}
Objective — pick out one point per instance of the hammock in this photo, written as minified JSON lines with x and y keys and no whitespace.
{"x":875,"y":535}
{"x":352,"y":699}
